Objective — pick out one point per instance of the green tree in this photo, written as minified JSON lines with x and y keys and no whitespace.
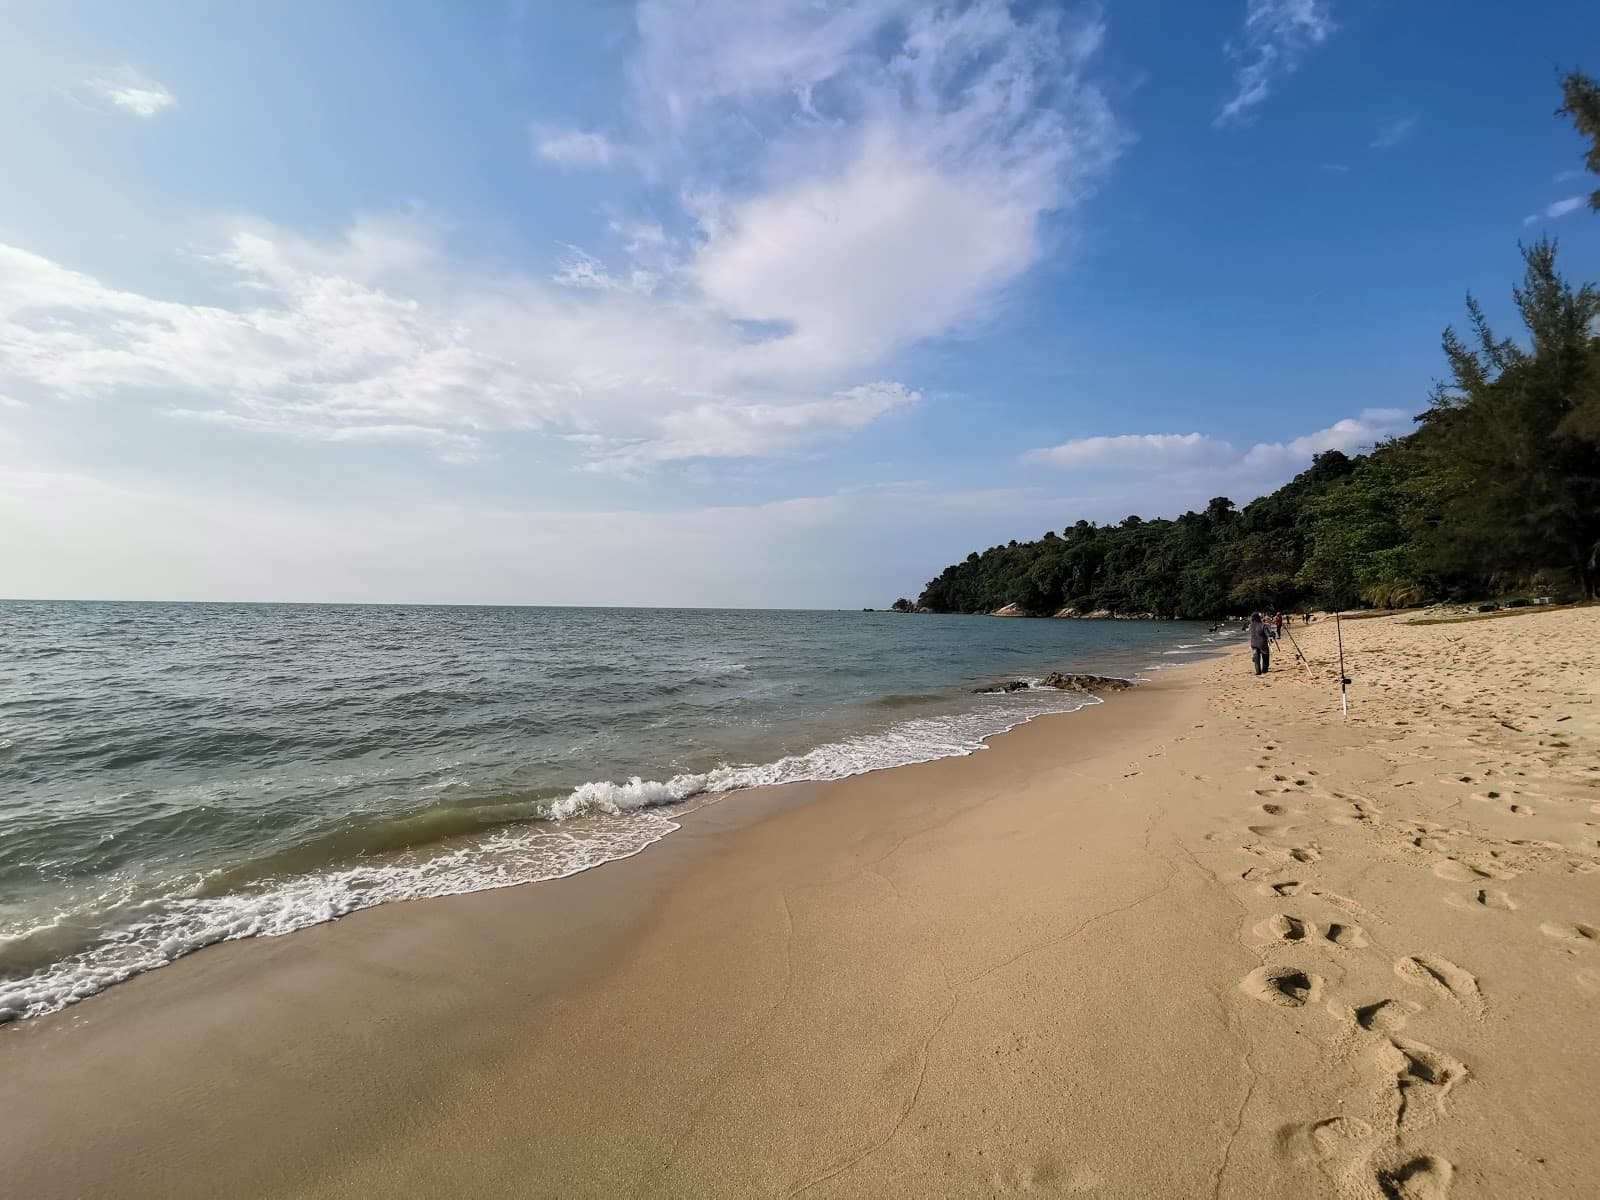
{"x":1361,"y":532}
{"x":1580,"y":96}
{"x":1514,"y":447}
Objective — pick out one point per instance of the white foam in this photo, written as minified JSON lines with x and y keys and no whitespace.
{"x":620,"y":822}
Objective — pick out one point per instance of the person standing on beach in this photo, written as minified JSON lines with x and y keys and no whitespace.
{"x":1260,"y":647}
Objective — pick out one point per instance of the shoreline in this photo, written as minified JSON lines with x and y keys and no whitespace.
{"x":303,"y":901}
{"x":975,"y":975}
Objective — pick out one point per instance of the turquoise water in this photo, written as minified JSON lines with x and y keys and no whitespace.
{"x":172,"y":775}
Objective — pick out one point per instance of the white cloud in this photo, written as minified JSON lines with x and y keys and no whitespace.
{"x":1553,"y":212}
{"x":916,"y":247}
{"x":1392,"y":133}
{"x":132,"y":92}
{"x":724,"y":430}
{"x":574,"y":148}
{"x":1277,"y":35}
{"x":874,"y":174}
{"x":854,"y":180}
{"x":1135,"y":450}
{"x":377,"y":337}
{"x":1351,"y":435}
{"x":1201,"y":454}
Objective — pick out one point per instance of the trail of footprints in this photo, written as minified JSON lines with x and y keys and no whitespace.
{"x":1519,"y":773}
{"x":1363,"y":1159}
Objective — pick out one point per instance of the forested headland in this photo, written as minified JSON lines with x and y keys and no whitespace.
{"x":1496,"y":494}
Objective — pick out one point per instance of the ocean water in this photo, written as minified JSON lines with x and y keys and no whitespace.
{"x":174,"y":775}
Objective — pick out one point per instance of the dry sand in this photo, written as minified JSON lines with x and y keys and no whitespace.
{"x":1206,"y":939}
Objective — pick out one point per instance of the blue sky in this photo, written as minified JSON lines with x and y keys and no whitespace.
{"x":778,"y":303}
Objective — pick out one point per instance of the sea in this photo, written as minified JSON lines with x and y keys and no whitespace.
{"x":177,"y":775}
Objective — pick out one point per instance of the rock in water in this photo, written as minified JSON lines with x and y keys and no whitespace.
{"x":1084,"y":683}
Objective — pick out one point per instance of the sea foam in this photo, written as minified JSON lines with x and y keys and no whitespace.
{"x":597,"y":822}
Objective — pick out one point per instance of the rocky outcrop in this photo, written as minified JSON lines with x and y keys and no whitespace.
{"x":1084,"y":683}
{"x":1065,"y":613}
{"x":1010,"y":610}
{"x":1062,"y":682}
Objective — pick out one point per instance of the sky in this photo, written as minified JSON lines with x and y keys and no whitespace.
{"x":779,"y":303}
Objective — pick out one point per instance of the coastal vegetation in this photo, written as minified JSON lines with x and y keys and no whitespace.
{"x":1496,"y":493}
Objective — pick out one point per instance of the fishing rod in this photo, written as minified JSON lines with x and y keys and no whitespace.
{"x":1344,"y":680}
{"x":1299,"y":655}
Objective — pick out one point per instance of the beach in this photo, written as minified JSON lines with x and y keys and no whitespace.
{"x":1208,"y":938}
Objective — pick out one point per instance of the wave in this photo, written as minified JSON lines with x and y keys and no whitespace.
{"x":444,"y":850}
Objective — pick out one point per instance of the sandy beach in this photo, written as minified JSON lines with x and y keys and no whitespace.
{"x":1208,"y":938}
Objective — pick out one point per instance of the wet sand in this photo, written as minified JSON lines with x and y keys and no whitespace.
{"x":1206,"y":939}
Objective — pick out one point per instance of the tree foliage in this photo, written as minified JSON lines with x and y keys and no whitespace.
{"x":1580,"y":96}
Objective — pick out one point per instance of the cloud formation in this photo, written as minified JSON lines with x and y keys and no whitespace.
{"x":1277,"y":35}
{"x":128,"y":90}
{"x":854,"y":180}
{"x":1554,"y":212}
{"x":1200,"y":453}
{"x":376,"y":337}
{"x":1135,"y":450}
{"x":1392,"y":133}
{"x":574,"y":148}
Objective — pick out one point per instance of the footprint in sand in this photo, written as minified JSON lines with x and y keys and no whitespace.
{"x":1284,"y":928}
{"x":1334,"y":1135}
{"x":1045,"y":1174}
{"x":1328,"y":1139}
{"x":1457,"y":871}
{"x":1495,"y":899}
{"x":1286,"y":987}
{"x":1346,"y":937}
{"x":1424,"y":1077}
{"x":1426,"y":1177}
{"x":1289,"y":887}
{"x":1441,"y":975}
{"x":1386,"y":1016}
{"x":1569,"y":933}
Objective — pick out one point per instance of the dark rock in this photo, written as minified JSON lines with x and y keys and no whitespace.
{"x":1014,"y":685}
{"x":1084,"y":683}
